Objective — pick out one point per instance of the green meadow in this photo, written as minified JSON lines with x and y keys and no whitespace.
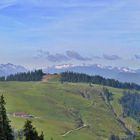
{"x":53,"y":106}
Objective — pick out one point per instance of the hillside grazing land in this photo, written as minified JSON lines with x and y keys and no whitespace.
{"x":58,"y":108}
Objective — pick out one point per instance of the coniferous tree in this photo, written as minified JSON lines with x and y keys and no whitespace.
{"x":84,"y":78}
{"x":6,"y":132}
{"x":30,"y":132}
{"x":130,"y":102}
{"x":2,"y":78}
{"x":138,"y":137}
{"x":41,"y":137}
{"x":29,"y":76}
{"x":113,"y":137}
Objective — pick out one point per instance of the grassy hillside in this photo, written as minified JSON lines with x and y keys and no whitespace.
{"x":56,"y":107}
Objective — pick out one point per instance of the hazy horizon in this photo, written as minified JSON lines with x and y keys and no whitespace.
{"x":43,"y":33}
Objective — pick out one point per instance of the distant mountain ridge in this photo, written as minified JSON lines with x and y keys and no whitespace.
{"x":7,"y":69}
{"x":123,"y":74}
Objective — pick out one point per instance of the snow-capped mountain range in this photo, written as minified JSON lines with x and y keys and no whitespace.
{"x":123,"y":74}
{"x":95,"y":66}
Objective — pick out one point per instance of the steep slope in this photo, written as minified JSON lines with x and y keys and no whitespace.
{"x":66,"y":111}
{"x":59,"y":108}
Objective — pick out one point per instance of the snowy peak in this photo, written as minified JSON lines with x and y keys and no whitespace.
{"x":123,"y":74}
{"x":63,"y":66}
{"x":127,"y":70}
{"x":97,"y":66}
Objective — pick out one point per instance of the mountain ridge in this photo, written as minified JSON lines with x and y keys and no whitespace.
{"x":9,"y":68}
{"x":123,"y":74}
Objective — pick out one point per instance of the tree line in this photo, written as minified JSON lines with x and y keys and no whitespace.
{"x":25,"y":76}
{"x":84,"y":78}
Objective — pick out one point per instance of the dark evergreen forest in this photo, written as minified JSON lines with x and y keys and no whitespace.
{"x":131,"y":105}
{"x":29,"y":76}
{"x":84,"y":78}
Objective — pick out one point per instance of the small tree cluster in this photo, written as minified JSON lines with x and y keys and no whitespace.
{"x":114,"y":137}
{"x":30,"y":132}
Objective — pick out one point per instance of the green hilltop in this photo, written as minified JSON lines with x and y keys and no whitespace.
{"x":59,"y":109}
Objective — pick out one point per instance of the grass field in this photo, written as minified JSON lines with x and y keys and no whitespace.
{"x":53,"y":104}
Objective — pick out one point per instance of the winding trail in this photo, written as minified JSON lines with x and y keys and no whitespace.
{"x":70,"y":131}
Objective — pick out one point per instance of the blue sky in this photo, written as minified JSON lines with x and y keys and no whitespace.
{"x":38,"y":33}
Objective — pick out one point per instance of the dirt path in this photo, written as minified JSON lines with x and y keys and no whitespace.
{"x":46,"y":78}
{"x":74,"y":130}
